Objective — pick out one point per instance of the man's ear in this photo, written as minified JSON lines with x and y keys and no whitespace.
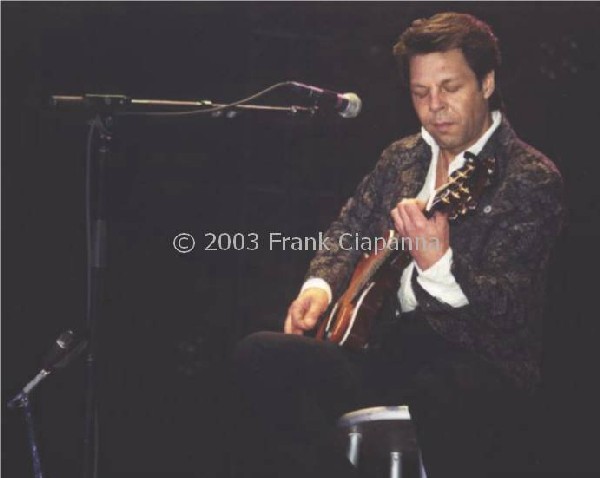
{"x":488,"y":85}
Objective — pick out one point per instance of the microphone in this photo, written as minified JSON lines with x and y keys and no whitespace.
{"x":347,"y":105}
{"x":58,"y":350}
{"x":65,"y":348}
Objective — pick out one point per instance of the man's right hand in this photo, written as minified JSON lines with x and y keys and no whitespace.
{"x":305,"y":311}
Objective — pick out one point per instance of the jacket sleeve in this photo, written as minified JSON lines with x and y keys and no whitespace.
{"x":358,"y":218}
{"x":506,"y":280}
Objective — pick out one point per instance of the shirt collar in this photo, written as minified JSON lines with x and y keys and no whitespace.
{"x":475,"y":148}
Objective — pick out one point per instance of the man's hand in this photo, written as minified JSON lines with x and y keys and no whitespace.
{"x":305,"y":311}
{"x":411,"y":223}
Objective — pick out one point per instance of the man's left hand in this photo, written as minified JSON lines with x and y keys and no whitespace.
{"x":411,"y":223}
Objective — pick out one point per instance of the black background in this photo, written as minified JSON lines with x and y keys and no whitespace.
{"x":170,"y":320}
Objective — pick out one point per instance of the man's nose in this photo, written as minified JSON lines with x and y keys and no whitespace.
{"x":436,"y":101}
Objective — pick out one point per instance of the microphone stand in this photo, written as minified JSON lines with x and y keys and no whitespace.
{"x":21,"y":400}
{"x":104,"y":107}
{"x":118,"y":104}
{"x":96,"y":235}
{"x":58,"y":358}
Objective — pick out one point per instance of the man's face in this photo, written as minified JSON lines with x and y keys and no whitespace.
{"x":448,"y":99}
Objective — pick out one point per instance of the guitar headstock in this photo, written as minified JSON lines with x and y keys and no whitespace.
{"x":464,"y":188}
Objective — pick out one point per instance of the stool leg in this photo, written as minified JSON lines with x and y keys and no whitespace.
{"x":354,"y":446}
{"x":395,"y":464}
{"x":422,"y":473}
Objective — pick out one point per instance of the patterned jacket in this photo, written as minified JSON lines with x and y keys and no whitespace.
{"x":500,"y":252}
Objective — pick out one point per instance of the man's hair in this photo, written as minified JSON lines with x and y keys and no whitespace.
{"x":446,"y":31}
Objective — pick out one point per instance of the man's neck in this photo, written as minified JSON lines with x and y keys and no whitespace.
{"x":447,"y":155}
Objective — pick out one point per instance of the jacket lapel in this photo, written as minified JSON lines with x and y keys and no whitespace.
{"x":414,"y":171}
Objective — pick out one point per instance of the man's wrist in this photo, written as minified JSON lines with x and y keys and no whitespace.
{"x":439,"y":267}
{"x":318,"y":283}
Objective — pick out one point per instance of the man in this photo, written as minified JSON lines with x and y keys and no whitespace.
{"x":464,"y":348}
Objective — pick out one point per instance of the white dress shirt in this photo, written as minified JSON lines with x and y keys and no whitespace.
{"x":438,"y":279}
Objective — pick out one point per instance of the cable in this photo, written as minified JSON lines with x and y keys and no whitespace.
{"x":206,"y":110}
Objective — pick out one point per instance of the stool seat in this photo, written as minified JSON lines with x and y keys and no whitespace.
{"x":385,"y":432}
{"x":374,"y":414}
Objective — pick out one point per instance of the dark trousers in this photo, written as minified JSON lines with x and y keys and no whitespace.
{"x":470,"y":420}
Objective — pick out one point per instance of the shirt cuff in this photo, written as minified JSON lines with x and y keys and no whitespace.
{"x":440,"y":283}
{"x":318,"y":283}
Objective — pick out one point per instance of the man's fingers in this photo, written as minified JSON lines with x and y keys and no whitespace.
{"x":440,"y":216}
{"x":406,"y":220}
{"x":297,"y":313}
{"x":413,"y":201}
{"x":304,"y":312}
{"x":420,"y":204}
{"x":415,"y":215}
{"x":297,"y":310}
{"x":290,"y":328}
{"x":397,"y":221}
{"x":311,"y":316}
{"x":409,"y":219}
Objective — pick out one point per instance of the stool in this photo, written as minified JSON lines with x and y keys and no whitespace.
{"x":383,"y":428}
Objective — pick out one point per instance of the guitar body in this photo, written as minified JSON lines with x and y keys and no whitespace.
{"x":351,"y":319}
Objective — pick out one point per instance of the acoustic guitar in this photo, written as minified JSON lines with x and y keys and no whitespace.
{"x":377,"y":274}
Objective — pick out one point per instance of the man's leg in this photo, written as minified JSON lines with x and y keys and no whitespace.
{"x":468,"y":416}
{"x":468,"y":419}
{"x":292,"y":390}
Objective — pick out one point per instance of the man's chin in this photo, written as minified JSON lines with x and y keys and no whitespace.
{"x":445,"y":144}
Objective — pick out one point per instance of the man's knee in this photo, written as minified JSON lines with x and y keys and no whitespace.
{"x":251,"y":345}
